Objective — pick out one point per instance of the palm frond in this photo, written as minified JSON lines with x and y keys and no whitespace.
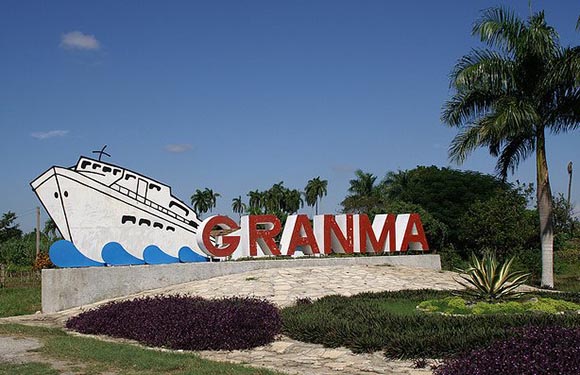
{"x":467,"y":105}
{"x":484,"y":69}
{"x":466,"y":141}
{"x":538,"y":39}
{"x":499,"y":27}
{"x":516,"y":150}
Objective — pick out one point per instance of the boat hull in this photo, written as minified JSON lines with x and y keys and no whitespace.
{"x":91,"y":215}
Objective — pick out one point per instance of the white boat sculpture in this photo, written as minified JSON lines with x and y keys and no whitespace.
{"x":113,"y":216}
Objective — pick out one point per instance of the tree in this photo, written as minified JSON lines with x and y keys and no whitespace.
{"x":204,"y":200}
{"x":8,"y":228}
{"x":278,"y":200}
{"x":274,"y":197}
{"x":292,"y":201}
{"x":211,"y":198}
{"x":502,"y":224}
{"x":506,"y":98}
{"x":199,"y":202}
{"x":446,"y":193}
{"x":364,"y":195}
{"x":238,"y":206}
{"x":256,"y":202}
{"x":314,"y":191}
{"x":51,"y":230}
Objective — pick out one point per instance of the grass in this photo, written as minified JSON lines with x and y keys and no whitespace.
{"x":97,"y":356}
{"x":27,"y":369}
{"x":19,"y":301}
{"x":567,"y":268}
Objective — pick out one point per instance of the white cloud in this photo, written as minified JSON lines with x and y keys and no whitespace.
{"x":49,"y":134}
{"x":177,"y":148}
{"x":78,"y":40}
{"x":342,"y":168}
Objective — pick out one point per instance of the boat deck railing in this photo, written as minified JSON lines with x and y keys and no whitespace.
{"x":155,"y":206}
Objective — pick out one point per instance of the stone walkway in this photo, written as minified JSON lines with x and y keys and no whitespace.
{"x":283,"y":286}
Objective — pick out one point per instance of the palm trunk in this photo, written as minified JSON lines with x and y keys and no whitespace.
{"x":544,"y":196}
{"x":316,"y":206}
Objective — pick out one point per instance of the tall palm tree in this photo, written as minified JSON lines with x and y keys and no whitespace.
{"x":256,"y":201}
{"x":211,"y":198}
{"x":363,"y":195}
{"x":292,"y":201}
{"x":506,"y":98}
{"x":274,"y":197}
{"x":238,"y":206}
{"x":314,"y":191}
{"x":204,"y":200}
{"x":363,"y":185}
{"x":200,"y":202}
{"x":395,"y":183}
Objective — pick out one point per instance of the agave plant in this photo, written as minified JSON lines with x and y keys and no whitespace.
{"x":488,"y":280}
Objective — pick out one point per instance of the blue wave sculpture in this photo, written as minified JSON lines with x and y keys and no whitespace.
{"x":186,"y":255}
{"x":114,"y":254}
{"x":64,"y":254}
{"x":154,"y":255}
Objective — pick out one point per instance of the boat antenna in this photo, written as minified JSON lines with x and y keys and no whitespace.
{"x":102,"y":152}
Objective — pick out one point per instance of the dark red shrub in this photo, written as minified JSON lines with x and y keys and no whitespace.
{"x":180,"y":322}
{"x":530,"y":351}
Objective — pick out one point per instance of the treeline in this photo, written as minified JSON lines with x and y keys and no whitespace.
{"x":18,"y":249}
{"x":464,"y":212}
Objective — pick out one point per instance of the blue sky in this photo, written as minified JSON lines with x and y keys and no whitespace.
{"x":239,"y":95}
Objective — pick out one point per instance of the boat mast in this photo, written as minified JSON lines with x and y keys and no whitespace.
{"x":102,"y":152}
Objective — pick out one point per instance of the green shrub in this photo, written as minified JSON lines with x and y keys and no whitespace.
{"x":368,"y":322}
{"x":457,"y":305}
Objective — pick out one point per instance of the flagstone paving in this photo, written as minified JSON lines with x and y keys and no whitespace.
{"x":283,"y":287}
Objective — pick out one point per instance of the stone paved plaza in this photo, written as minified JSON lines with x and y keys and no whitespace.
{"x":283,"y":286}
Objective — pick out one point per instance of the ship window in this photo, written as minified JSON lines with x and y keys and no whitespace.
{"x":171,"y":229}
{"x":66,"y":193}
{"x":180,"y":206}
{"x":192,"y":223}
{"x":85,"y":164}
{"x":115,"y":171}
{"x":128,"y":176}
{"x":127,"y":218}
{"x":95,"y":166}
{"x":145,"y":221}
{"x":157,"y":225}
{"x":153,"y":186}
{"x":55,"y":194}
{"x":107,"y":169}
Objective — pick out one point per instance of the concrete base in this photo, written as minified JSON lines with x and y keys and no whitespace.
{"x":72,"y":287}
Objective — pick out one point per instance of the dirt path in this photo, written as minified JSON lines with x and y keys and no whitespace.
{"x":21,"y":350}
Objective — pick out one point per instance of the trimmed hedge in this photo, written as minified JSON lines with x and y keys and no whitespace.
{"x":363,"y":323}
{"x":180,"y":322}
{"x":529,"y":351}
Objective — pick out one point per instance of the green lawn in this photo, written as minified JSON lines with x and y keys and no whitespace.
{"x":19,"y":301}
{"x":94,"y":356}
{"x":567,"y":270}
{"x":26,"y":369}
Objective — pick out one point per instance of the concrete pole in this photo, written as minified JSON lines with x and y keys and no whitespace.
{"x":37,"y":231}
{"x":569,"y":182}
